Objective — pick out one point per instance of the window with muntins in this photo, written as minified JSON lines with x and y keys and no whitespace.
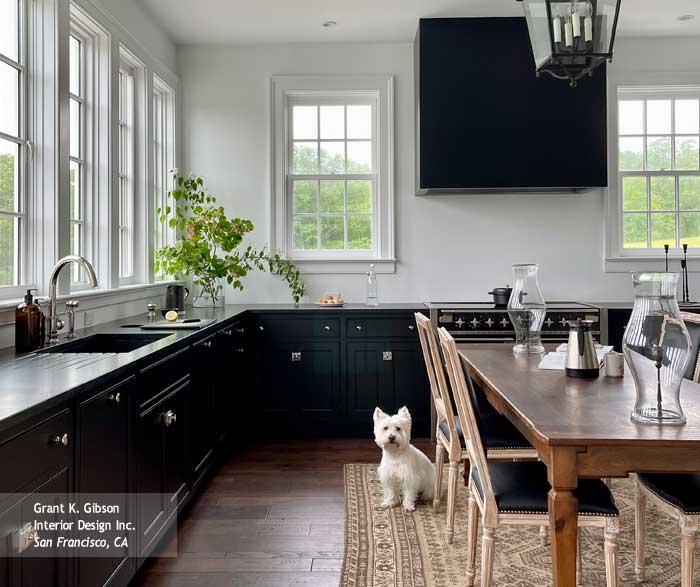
{"x":77,"y":107}
{"x":163,"y":157}
{"x":13,"y":147}
{"x":332,"y":175}
{"x":659,"y":167}
{"x":126,"y":174}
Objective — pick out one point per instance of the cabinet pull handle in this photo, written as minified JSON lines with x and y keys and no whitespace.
{"x":241,"y":350}
{"x":296,"y":357}
{"x":387,"y":356}
{"x":115,"y":397}
{"x":327,"y":328}
{"x":59,"y":440}
{"x":169,"y":418}
{"x":240,"y":330}
{"x":24,"y":538}
{"x":411,"y":327}
{"x":261,"y":327}
{"x":359,"y":328}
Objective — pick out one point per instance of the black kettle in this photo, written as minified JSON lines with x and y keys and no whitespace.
{"x":175,"y":297}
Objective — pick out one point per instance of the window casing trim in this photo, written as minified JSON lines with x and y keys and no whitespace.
{"x":640,"y":85}
{"x":286,"y":90}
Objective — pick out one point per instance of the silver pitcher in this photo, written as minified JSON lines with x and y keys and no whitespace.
{"x":581,"y":358}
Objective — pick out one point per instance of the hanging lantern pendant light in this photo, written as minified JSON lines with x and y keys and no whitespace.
{"x":571,"y":38}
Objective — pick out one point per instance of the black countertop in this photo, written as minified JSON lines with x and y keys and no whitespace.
{"x":41,"y":380}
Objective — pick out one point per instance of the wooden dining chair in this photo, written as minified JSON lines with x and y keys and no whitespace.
{"x":449,"y":433}
{"x":515,"y":493}
{"x":675,"y":494}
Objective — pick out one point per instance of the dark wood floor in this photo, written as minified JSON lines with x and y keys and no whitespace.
{"x":272,"y":516}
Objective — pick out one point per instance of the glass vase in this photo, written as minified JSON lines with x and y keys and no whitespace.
{"x":527,"y":308}
{"x":657,"y":348}
{"x":209,"y":295}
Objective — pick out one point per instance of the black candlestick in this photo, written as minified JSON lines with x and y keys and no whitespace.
{"x":686,"y":291}
{"x":666,"y":253}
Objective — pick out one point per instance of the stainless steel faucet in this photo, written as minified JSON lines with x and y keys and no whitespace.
{"x":54,"y":323}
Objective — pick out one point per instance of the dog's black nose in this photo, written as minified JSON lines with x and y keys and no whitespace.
{"x":392,"y":438}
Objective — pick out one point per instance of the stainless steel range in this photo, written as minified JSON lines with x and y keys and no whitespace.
{"x":484,"y":322}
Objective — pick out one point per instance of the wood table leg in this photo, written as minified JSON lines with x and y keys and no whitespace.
{"x":563,"y":515}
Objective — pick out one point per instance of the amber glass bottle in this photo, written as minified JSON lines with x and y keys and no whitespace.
{"x":29,"y":325}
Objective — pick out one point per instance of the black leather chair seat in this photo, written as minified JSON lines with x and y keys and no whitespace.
{"x":522,"y":487}
{"x":496,"y":432}
{"x":681,"y":491}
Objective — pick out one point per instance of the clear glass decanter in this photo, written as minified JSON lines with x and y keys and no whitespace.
{"x":527,"y":309}
{"x":372,"y":288}
{"x":657,"y":349}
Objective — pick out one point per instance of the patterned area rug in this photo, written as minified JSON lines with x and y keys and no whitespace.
{"x":393,"y":548}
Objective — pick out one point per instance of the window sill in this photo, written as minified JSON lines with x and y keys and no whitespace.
{"x":96,"y":298}
{"x":655,"y":263}
{"x":344,"y":266}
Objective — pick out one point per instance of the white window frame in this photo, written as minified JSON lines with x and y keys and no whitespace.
{"x":287,"y":91}
{"x":126,"y":219}
{"x":96,"y":134}
{"x":23,"y":274}
{"x":164,"y":156}
{"x":644,"y":86}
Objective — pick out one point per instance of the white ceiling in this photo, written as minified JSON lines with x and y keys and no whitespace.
{"x":299,"y":21}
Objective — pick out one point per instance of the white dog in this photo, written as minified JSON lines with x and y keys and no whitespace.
{"x":404,"y":470}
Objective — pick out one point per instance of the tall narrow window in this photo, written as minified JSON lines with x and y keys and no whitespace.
{"x":126,"y":174}
{"x":163,"y":156}
{"x":13,"y":146}
{"x":77,"y":153}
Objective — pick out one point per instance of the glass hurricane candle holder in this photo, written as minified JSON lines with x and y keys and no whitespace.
{"x":527,"y":309}
{"x":657,"y":348}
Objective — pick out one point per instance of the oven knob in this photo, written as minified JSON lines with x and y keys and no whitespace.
{"x":474,"y":322}
{"x":489,"y":322}
{"x":548,"y":322}
{"x":459,"y":322}
{"x":504,"y":322}
{"x":563,"y":321}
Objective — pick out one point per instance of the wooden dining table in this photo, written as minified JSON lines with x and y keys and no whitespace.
{"x":580,"y":428}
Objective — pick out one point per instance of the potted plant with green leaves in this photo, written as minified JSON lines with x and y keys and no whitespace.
{"x":208,"y":245}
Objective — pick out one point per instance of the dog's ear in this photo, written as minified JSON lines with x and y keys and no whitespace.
{"x":405,"y":414}
{"x":378,"y":414}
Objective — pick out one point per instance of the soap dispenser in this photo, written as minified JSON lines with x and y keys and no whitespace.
{"x":29,"y":325}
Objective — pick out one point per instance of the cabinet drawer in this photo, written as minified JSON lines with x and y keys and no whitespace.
{"x":298,"y":327}
{"x":398,"y":327}
{"x":48,"y":446}
{"x":157,"y":377}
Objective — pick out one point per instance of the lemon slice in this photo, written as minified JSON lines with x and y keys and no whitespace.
{"x":171,"y":316}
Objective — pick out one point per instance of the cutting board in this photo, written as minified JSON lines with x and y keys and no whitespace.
{"x":177,"y":325}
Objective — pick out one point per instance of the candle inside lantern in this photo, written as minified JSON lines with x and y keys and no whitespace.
{"x":576,"y":24}
{"x":568,"y":37}
{"x":556,"y":29}
{"x":588,"y":29}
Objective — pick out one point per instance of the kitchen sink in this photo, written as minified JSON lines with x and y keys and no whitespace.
{"x":106,"y":343}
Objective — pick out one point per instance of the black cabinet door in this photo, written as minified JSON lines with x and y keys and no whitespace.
{"x":407,"y":384}
{"x":200,"y":433}
{"x":28,"y":569}
{"x":315,"y":394}
{"x":161,"y":462}
{"x":366,"y":384}
{"x":102,"y":459}
{"x":273,"y":386}
{"x":232,"y":394}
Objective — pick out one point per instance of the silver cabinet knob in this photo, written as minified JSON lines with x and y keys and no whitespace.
{"x":207,"y":344}
{"x":327,"y":328}
{"x":241,"y":330}
{"x":296,"y":357}
{"x":169,"y":418}
{"x":387,"y":356}
{"x":59,"y":439}
{"x":240,"y":350}
{"x":359,"y":328}
{"x":411,"y":326}
{"x":115,"y":397}
{"x":261,"y":327}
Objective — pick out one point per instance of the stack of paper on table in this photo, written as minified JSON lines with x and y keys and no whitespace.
{"x":557,"y":359}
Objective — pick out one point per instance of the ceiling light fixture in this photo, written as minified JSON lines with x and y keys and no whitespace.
{"x":329,"y":24}
{"x":570,"y":38}
{"x":686,"y":17}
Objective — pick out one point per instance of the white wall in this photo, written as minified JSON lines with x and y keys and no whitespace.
{"x":448,"y":247}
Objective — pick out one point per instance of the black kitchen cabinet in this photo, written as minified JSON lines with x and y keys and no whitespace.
{"x":388,"y":375}
{"x":102,"y":467}
{"x":161,"y":462}
{"x":315,"y":387}
{"x":233,"y":377}
{"x":273,"y":388}
{"x":200,"y":432}
{"x":37,"y":460}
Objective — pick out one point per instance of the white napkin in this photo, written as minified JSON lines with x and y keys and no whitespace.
{"x":557,"y":360}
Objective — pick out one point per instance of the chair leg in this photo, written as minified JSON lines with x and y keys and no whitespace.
{"x":640,"y":531}
{"x":579,"y":565}
{"x":544,"y":535}
{"x":467,"y":471}
{"x":488,"y":546}
{"x":472,"y":538}
{"x":439,"y":462}
{"x":451,"y":499}
{"x":687,"y":556}
{"x":612,"y":531}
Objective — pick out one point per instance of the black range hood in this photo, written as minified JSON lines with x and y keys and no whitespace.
{"x":486,"y":124}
